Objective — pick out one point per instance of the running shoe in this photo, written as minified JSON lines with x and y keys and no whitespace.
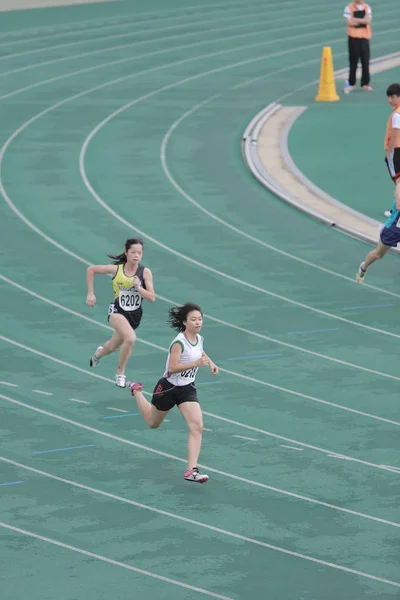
{"x":361,"y":273}
{"x":94,"y":361}
{"x":120,"y":380}
{"x":194,"y":475}
{"x":134,"y":387}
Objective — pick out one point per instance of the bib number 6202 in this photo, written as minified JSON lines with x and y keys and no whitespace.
{"x":129,"y":301}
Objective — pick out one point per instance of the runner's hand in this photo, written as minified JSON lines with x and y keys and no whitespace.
{"x":214,"y":369}
{"x":90,"y":299}
{"x":203,"y":361}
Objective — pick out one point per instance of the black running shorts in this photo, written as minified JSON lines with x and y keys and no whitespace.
{"x":166,"y":395}
{"x":133,"y":317}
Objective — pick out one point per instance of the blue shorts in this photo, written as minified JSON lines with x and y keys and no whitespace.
{"x":390,"y":236}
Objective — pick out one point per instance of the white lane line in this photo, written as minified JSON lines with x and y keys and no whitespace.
{"x":8,"y":383}
{"x":56,"y":360}
{"x":115,"y":562}
{"x":126,"y":23}
{"x":212,"y":415}
{"x":292,"y":448}
{"x":185,"y":585}
{"x":211,"y":469}
{"x":205,"y":429}
{"x":79,"y":401}
{"x":239,"y":424}
{"x":163,"y":51}
{"x":39,"y":232}
{"x":243,"y":437}
{"x":130,"y":58}
{"x":152,"y":39}
{"x":343,"y":457}
{"x":184,"y":194}
{"x":120,"y":410}
{"x":286,"y":439}
{"x":394,"y":469}
{"x":76,"y":27}
{"x":231,"y":325}
{"x":242,"y":233}
{"x":233,"y":373}
{"x":42,"y":392}
{"x":206,"y":267}
{"x":172,"y":515}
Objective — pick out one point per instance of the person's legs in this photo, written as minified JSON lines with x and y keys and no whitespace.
{"x":152,"y":415}
{"x":354,"y":56}
{"x":128,"y":335}
{"x":111,"y":346}
{"x":365,"y":58}
{"x":397,"y":192}
{"x":375,"y":254}
{"x":393,"y":165}
{"x":193,"y":416}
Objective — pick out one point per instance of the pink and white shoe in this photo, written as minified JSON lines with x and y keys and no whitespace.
{"x":134,"y":386}
{"x":194,"y":475}
{"x":367,"y":88}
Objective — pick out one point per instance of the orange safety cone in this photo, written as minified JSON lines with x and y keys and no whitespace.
{"x":327,"y":85}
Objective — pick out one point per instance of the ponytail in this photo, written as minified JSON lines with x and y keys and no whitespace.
{"x":177,"y":315}
{"x":121,"y":258}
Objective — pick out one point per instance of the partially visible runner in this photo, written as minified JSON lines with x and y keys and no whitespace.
{"x":131,"y":282}
{"x":177,"y":385}
{"x":390,"y":234}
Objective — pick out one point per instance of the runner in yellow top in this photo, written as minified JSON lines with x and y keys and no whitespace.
{"x":131,"y":282}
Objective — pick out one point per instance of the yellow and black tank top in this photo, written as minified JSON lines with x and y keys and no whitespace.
{"x":126,"y":297}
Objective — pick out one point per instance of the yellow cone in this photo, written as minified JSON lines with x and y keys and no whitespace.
{"x":327,"y":86}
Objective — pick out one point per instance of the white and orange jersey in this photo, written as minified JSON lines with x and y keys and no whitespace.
{"x":358,"y":10}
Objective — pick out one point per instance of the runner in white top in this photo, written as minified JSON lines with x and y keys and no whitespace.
{"x":190,"y":353}
{"x":177,"y":385}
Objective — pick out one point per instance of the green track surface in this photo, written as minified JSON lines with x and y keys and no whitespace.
{"x":340,"y":148}
{"x":307,"y":415}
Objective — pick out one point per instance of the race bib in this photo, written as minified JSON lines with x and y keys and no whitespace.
{"x":112,"y":309}
{"x":129,"y":300}
{"x":190,"y":374}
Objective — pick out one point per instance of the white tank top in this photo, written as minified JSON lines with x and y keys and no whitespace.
{"x":190,"y":353}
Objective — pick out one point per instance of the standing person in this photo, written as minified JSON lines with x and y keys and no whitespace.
{"x":177,"y":385}
{"x":358,"y":16}
{"x":390,"y":234}
{"x":131,"y":282}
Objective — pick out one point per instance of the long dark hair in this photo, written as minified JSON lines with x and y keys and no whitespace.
{"x":178,"y":314}
{"x":121,"y":258}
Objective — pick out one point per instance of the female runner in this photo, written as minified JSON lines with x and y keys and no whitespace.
{"x":131,"y":282}
{"x":177,"y":386}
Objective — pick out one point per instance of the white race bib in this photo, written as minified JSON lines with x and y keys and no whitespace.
{"x":129,"y":300}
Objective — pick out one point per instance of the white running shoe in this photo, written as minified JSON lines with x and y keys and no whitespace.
{"x":387,"y":213}
{"x":361,"y":273}
{"x":120,"y":380}
{"x":94,"y":361}
{"x":194,"y":475}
